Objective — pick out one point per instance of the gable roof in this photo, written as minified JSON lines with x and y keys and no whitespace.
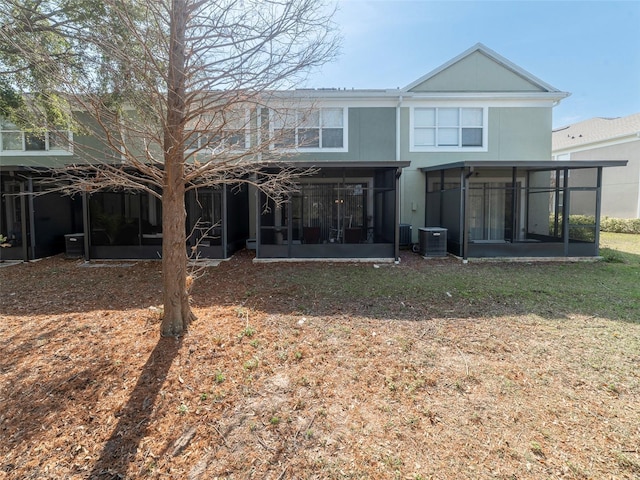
{"x":525,"y":80}
{"x":596,"y":130}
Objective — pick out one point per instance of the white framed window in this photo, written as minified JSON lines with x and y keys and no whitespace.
{"x":448,"y":129}
{"x":309,"y":130}
{"x":18,"y":142}
{"x":221,"y":131}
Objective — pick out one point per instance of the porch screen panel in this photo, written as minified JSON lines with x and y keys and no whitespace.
{"x":582,"y":215}
{"x":433,"y":209}
{"x":451,"y":214}
{"x":543,"y":207}
{"x":273,"y":222}
{"x":11,"y":220}
{"x":542,"y":222}
{"x":237,"y":214}
{"x":384,"y":214}
{"x":317,"y":212}
{"x":328,"y":209}
{"x":490,"y":216}
{"x":205,"y":217}
{"x":115,"y":219}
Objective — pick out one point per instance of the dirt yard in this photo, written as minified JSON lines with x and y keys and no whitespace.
{"x":279,"y":380}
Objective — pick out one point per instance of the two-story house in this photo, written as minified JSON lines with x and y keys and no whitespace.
{"x":465,"y":148}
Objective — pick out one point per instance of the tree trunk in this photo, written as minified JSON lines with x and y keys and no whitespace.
{"x":177,"y":312}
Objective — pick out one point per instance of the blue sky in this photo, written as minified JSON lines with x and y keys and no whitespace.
{"x":588,"y":48}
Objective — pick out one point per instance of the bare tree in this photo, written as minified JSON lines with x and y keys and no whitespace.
{"x":166,"y":85}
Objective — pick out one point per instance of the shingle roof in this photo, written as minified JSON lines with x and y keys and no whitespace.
{"x":595,"y":130}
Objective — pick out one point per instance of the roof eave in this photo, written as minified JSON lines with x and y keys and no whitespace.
{"x":528,"y":164}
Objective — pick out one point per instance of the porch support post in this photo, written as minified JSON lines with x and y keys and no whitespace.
{"x":565,"y":212}
{"x":556,"y":207}
{"x":464,"y":217}
{"x":514,"y":205}
{"x":426,"y":198}
{"x":32,"y":220}
{"x":441,"y":214}
{"x":85,"y":225}
{"x":224,"y":220}
{"x":598,"y":210}
{"x":23,"y":223}
{"x":258,"y":215}
{"x":396,"y":243}
{"x":289,"y":226}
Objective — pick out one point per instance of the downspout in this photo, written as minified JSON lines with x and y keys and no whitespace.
{"x":398,"y":155}
{"x":258,"y":132}
{"x":85,"y":225}
{"x":398,"y":106}
{"x":256,"y":204}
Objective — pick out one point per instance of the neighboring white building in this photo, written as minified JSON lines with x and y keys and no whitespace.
{"x":607,"y":139}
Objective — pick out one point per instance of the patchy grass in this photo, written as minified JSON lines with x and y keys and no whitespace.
{"x":622,"y":242}
{"x":427,"y":369}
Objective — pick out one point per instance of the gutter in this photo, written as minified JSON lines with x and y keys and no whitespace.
{"x":398,"y":106}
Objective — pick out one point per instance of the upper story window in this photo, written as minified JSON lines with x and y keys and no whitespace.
{"x":17,"y":142}
{"x":448,"y":129}
{"x":313,"y":129}
{"x":221,"y":131}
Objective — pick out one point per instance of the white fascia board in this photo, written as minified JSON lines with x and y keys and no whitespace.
{"x":390,"y":98}
{"x":325,"y":102}
{"x":554,"y":97}
{"x":316,"y":94}
{"x":488,"y":102}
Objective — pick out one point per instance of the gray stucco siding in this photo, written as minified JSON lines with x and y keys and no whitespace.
{"x":515,"y":133}
{"x":520,"y":133}
{"x":476,"y":73}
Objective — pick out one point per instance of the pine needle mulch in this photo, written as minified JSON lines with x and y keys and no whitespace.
{"x":277,"y":381}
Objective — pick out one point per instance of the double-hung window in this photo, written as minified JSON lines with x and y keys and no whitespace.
{"x":313,"y":129}
{"x":17,"y":142}
{"x":447,"y":128}
{"x":220,"y":131}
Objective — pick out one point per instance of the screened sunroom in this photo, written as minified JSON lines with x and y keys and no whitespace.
{"x":33,"y":223}
{"x":517,"y":209}
{"x":344,"y":211}
{"x":129,"y":225}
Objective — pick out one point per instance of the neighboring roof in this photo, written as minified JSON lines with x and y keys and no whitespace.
{"x":495,"y":57}
{"x":527,"y":164}
{"x":595,"y":130}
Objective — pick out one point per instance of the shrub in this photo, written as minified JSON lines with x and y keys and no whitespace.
{"x":578,"y":226}
{"x":581,"y":227}
{"x":620,"y":225}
